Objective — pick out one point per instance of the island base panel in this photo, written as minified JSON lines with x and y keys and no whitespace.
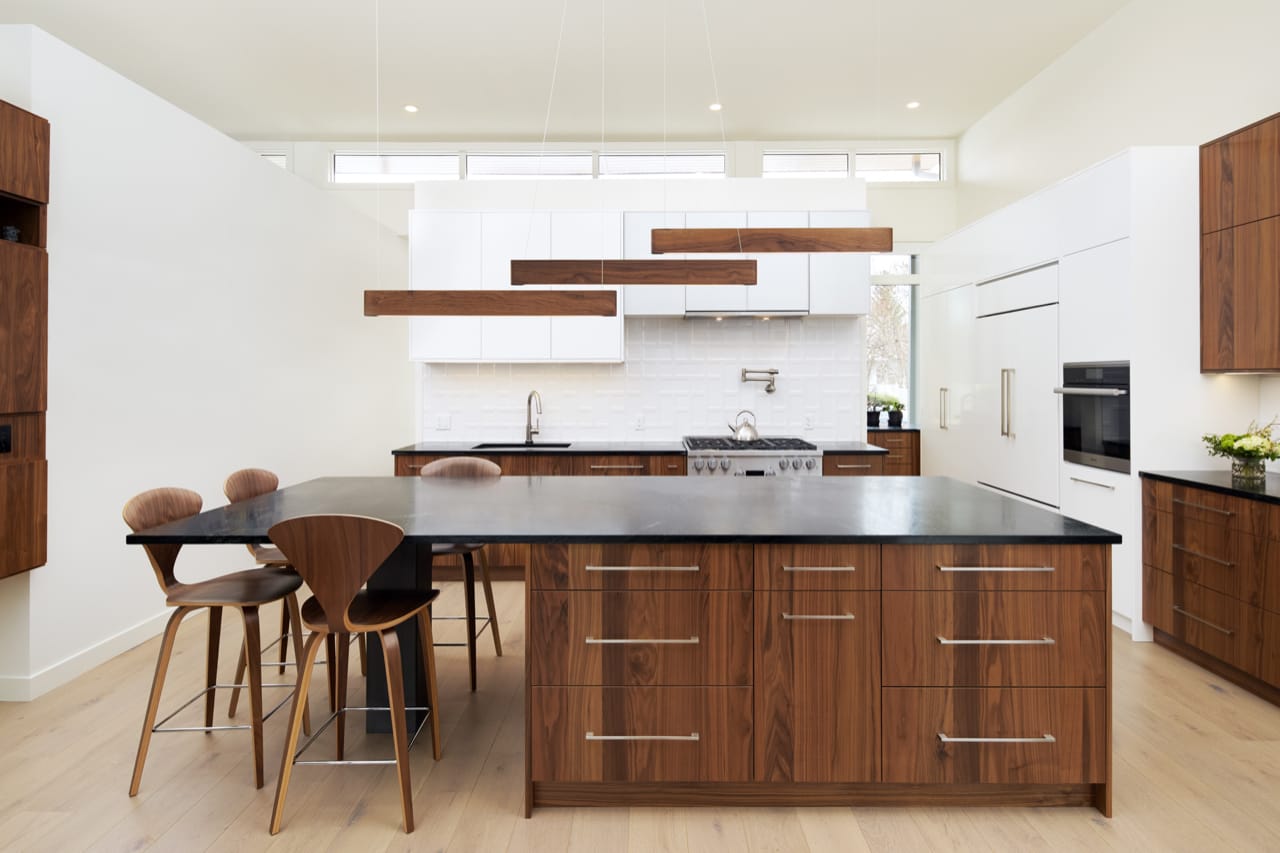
{"x":400,"y":572}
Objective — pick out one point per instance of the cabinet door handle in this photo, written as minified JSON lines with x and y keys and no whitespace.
{"x":1045,"y":738}
{"x":1225,"y":512}
{"x":628,"y":641}
{"x":691,"y":737}
{"x":1202,"y":621}
{"x":617,"y":467}
{"x":818,"y":617}
{"x":1043,"y":641}
{"x":995,"y":568}
{"x":1093,"y":483}
{"x":414,"y":467}
{"x":819,"y":568}
{"x":942,"y":408}
{"x":1187,"y":550}
{"x":643,"y":568}
{"x":673,"y":467}
{"x":852,"y":467}
{"x":1004,"y":401}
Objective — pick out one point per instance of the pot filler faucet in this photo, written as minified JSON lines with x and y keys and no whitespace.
{"x":529,"y":429}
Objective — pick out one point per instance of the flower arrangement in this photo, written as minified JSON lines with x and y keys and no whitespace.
{"x":1253,"y":443}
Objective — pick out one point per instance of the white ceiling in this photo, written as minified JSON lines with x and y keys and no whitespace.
{"x":481,"y":69}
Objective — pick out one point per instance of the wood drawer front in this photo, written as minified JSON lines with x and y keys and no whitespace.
{"x":1212,"y":622}
{"x":817,"y":567}
{"x":1075,"y":719}
{"x":994,"y":567}
{"x":24,"y":515}
{"x":1187,"y":503}
{"x":817,"y":697}
{"x":672,"y":465}
{"x":411,"y":465}
{"x":996,"y":639}
{"x":894,"y":440}
{"x":1226,"y":560}
{"x":1271,"y":649}
{"x":26,"y":437}
{"x":642,"y":566}
{"x":852,"y":465}
{"x":597,"y":638}
{"x":672,"y":734}
{"x":615,"y":465}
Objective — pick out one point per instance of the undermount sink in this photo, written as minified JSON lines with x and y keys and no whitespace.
{"x":517,"y":445}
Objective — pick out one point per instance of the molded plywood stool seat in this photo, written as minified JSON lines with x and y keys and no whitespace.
{"x":245,"y":591}
{"x":336,"y":554}
{"x":241,"y":486}
{"x":469,"y":467}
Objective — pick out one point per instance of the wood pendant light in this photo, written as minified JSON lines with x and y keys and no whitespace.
{"x":695,"y":240}
{"x":491,"y":303}
{"x":615,"y":272}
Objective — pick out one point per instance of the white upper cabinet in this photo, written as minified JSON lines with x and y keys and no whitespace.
{"x":445,"y":256}
{"x":839,"y":282}
{"x":1096,"y":303}
{"x":716,"y":297}
{"x":578,"y":235}
{"x":783,"y":277}
{"x":508,"y":235}
{"x":650,"y":300}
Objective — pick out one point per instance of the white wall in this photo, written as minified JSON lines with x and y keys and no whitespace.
{"x":205,"y":314}
{"x":681,"y":376}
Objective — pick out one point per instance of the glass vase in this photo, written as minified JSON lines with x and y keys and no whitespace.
{"x":1248,"y":473}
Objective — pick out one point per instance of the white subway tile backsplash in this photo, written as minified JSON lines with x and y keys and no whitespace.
{"x":682,"y":375}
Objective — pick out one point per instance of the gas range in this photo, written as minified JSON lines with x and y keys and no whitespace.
{"x":764,"y":457}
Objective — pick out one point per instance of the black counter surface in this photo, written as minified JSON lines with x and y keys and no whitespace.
{"x":576,"y":448}
{"x":854,"y":447}
{"x":903,"y":428}
{"x":1220,"y":481}
{"x":650,"y":509}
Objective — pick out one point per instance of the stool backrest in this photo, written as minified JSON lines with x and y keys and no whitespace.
{"x":154,"y":508}
{"x":249,"y":483}
{"x":336,"y":554}
{"x":469,"y":467}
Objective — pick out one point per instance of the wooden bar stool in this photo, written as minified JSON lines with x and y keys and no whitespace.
{"x":469,"y":467}
{"x":245,"y":591}
{"x":336,"y":555}
{"x":241,"y":486}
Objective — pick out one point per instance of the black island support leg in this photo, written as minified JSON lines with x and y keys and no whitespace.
{"x":408,"y":569}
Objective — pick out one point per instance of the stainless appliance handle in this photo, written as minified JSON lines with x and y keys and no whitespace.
{"x":1004,"y":404}
{"x":818,"y":617}
{"x":1047,"y":738}
{"x":1092,"y":483}
{"x":1043,"y":641}
{"x":1184,"y":549}
{"x":1092,"y":392}
{"x":627,"y":641}
{"x":691,"y":737}
{"x":1008,"y":423}
{"x":1202,"y":621}
{"x":942,"y":408}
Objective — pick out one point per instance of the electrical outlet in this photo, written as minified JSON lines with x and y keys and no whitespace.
{"x":6,"y":439}
{"x":444,"y":422}
{"x":808,"y":421}
{"x":639,"y":423}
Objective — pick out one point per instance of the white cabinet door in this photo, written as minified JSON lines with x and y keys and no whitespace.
{"x":716,"y":297}
{"x":581,"y":234}
{"x":783,"y":277}
{"x":839,"y":282}
{"x":506,"y":235}
{"x":1110,"y":500}
{"x":1019,"y":418}
{"x":650,"y":300}
{"x":444,"y":254}
{"x":1096,"y":300}
{"x":948,"y":404}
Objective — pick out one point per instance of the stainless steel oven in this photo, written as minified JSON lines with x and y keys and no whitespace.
{"x":1095,"y":414}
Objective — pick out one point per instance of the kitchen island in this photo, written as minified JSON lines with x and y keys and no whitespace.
{"x":863,"y":640}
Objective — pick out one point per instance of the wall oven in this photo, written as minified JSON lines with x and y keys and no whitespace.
{"x":1095,"y":414}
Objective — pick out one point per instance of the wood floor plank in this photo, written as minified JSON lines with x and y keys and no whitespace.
{"x":832,"y":829}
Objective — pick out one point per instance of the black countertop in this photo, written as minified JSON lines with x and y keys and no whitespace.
{"x":1220,"y":481}
{"x":651,"y":509}
{"x":903,"y":428}
{"x":853,"y":447}
{"x":577,"y":448}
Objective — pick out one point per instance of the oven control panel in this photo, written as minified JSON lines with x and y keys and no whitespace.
{"x":754,"y":465}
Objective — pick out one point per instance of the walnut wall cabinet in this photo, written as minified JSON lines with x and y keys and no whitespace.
{"x":24,"y":345}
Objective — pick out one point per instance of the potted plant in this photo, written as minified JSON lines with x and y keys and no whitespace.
{"x":1248,"y":452}
{"x":878,"y":402}
{"x":895,"y":413}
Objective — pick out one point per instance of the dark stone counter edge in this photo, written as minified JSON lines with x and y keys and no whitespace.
{"x":1192,"y":478}
{"x":851,"y":447}
{"x":957,"y":539}
{"x":904,"y":428}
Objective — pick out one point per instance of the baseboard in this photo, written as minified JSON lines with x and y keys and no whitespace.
{"x":1124,"y":623}
{"x":20,"y":689}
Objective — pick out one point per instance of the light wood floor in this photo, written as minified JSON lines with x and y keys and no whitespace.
{"x":1197,"y":767}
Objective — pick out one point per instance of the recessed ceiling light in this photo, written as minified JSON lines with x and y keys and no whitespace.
{"x":410,"y":108}
{"x":715,"y":108}
{"x":913,"y":105}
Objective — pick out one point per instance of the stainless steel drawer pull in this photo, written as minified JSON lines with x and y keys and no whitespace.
{"x":643,"y":568}
{"x":1046,"y":738}
{"x":1184,"y":549}
{"x":1093,"y":483}
{"x":852,"y":467}
{"x":1225,"y":512}
{"x":692,"y":737}
{"x":1043,"y":641}
{"x":617,"y":467}
{"x":1091,"y":392}
{"x":818,"y":617}
{"x":1202,"y":621}
{"x":627,"y":641}
{"x":995,"y":568}
{"x":819,"y":568}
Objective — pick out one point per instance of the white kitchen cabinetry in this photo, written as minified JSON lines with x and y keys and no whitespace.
{"x":947,"y":395}
{"x":579,"y":234}
{"x":445,"y":256}
{"x":716,"y":297}
{"x":650,"y":300}
{"x":1096,"y":303}
{"x":782,"y":282}
{"x":839,"y":282}
{"x":507,"y":235}
{"x":1108,"y":500}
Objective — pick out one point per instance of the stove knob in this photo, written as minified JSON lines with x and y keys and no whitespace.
{"x":724,"y":464}
{"x":810,"y":463}
{"x":783,"y":464}
{"x":697,"y":464}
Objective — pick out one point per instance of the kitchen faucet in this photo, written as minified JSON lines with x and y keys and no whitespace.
{"x":529,"y":429}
